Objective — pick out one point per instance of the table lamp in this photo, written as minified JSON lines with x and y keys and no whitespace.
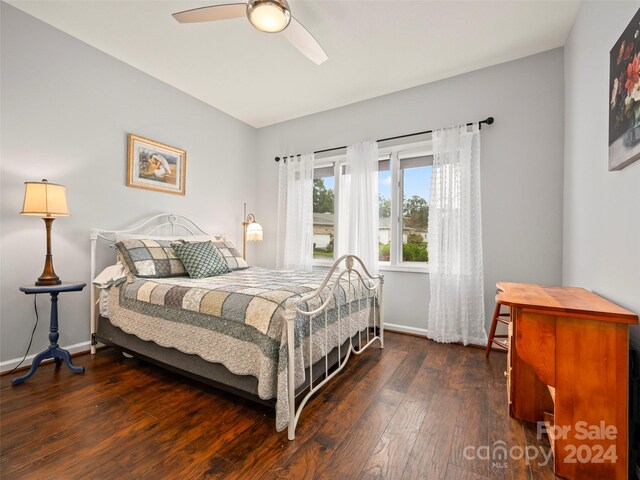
{"x":252,"y":231}
{"x":46,"y":200}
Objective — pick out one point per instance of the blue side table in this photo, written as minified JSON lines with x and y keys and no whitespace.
{"x":54,"y":351}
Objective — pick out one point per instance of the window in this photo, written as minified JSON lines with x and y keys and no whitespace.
{"x":323,"y":212}
{"x":404,"y":182}
{"x":415,"y":184}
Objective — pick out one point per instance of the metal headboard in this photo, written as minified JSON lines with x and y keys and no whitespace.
{"x":164,"y":224}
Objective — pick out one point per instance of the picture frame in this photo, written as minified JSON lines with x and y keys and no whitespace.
{"x":156,"y":166}
{"x":624,"y":97}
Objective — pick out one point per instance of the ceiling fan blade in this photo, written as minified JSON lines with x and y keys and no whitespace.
{"x":214,"y":12}
{"x":304,"y":41}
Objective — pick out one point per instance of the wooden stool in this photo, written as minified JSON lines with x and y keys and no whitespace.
{"x":502,"y":317}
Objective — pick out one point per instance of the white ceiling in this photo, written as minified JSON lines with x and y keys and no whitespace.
{"x":374,"y":47}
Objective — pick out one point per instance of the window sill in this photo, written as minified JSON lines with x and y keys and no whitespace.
{"x":325,"y":265}
{"x":405,"y":268}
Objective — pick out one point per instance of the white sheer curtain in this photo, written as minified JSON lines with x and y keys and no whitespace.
{"x":295,"y":213}
{"x":456,"y":309}
{"x":358,"y":204}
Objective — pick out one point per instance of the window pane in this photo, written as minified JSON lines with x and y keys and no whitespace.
{"x":416,"y":184}
{"x":323,"y":172}
{"x":413,"y":161}
{"x":384,"y":210}
{"x":323,"y":218}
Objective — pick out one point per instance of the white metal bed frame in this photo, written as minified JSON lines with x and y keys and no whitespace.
{"x":177,"y":225}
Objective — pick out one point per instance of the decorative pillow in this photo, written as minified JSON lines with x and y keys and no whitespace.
{"x":201,"y":259}
{"x":128,"y":273}
{"x":231,"y":255}
{"x":147,"y":258}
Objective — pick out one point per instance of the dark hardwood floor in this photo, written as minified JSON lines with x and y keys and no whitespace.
{"x":415,"y":410}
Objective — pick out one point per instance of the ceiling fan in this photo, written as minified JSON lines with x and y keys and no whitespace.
{"x":271,"y":16}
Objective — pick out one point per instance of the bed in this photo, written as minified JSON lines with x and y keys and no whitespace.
{"x":274,"y":336}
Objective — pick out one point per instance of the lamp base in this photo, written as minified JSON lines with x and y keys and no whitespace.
{"x":48,"y":276}
{"x":48,"y":281}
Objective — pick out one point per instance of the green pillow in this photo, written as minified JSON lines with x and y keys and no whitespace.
{"x":200,"y":259}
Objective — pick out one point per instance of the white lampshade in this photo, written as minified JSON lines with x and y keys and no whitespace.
{"x":44,"y":199}
{"x":254,"y":232}
{"x":270,"y":16}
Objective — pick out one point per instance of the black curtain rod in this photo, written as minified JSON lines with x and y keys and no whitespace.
{"x":488,"y":121}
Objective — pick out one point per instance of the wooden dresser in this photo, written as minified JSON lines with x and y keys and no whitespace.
{"x":568,"y":367}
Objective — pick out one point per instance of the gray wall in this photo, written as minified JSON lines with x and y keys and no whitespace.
{"x":522,"y":165}
{"x":66,"y":111}
{"x":601,"y":208}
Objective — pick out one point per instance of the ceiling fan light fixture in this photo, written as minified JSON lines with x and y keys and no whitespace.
{"x":269,"y":16}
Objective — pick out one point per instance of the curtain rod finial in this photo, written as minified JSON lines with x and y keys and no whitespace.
{"x":489,"y":120}
{"x":277,"y":159}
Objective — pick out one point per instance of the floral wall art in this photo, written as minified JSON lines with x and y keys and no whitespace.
{"x":624,"y":98}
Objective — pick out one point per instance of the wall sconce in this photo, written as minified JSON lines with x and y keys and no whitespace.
{"x":252,"y":231}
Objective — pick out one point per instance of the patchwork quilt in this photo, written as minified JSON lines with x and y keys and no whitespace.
{"x":239,"y":320}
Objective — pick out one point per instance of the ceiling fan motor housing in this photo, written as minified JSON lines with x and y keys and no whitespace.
{"x":271,"y":16}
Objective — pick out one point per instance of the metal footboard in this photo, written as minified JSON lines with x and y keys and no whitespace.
{"x":375,"y":331}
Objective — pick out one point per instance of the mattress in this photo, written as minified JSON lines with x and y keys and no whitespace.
{"x":239,"y":320}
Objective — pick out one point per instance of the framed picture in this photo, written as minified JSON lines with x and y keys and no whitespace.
{"x":156,"y":166}
{"x":624,"y":97}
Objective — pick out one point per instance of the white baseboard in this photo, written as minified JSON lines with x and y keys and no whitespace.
{"x":9,"y":364}
{"x":421,"y":332}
